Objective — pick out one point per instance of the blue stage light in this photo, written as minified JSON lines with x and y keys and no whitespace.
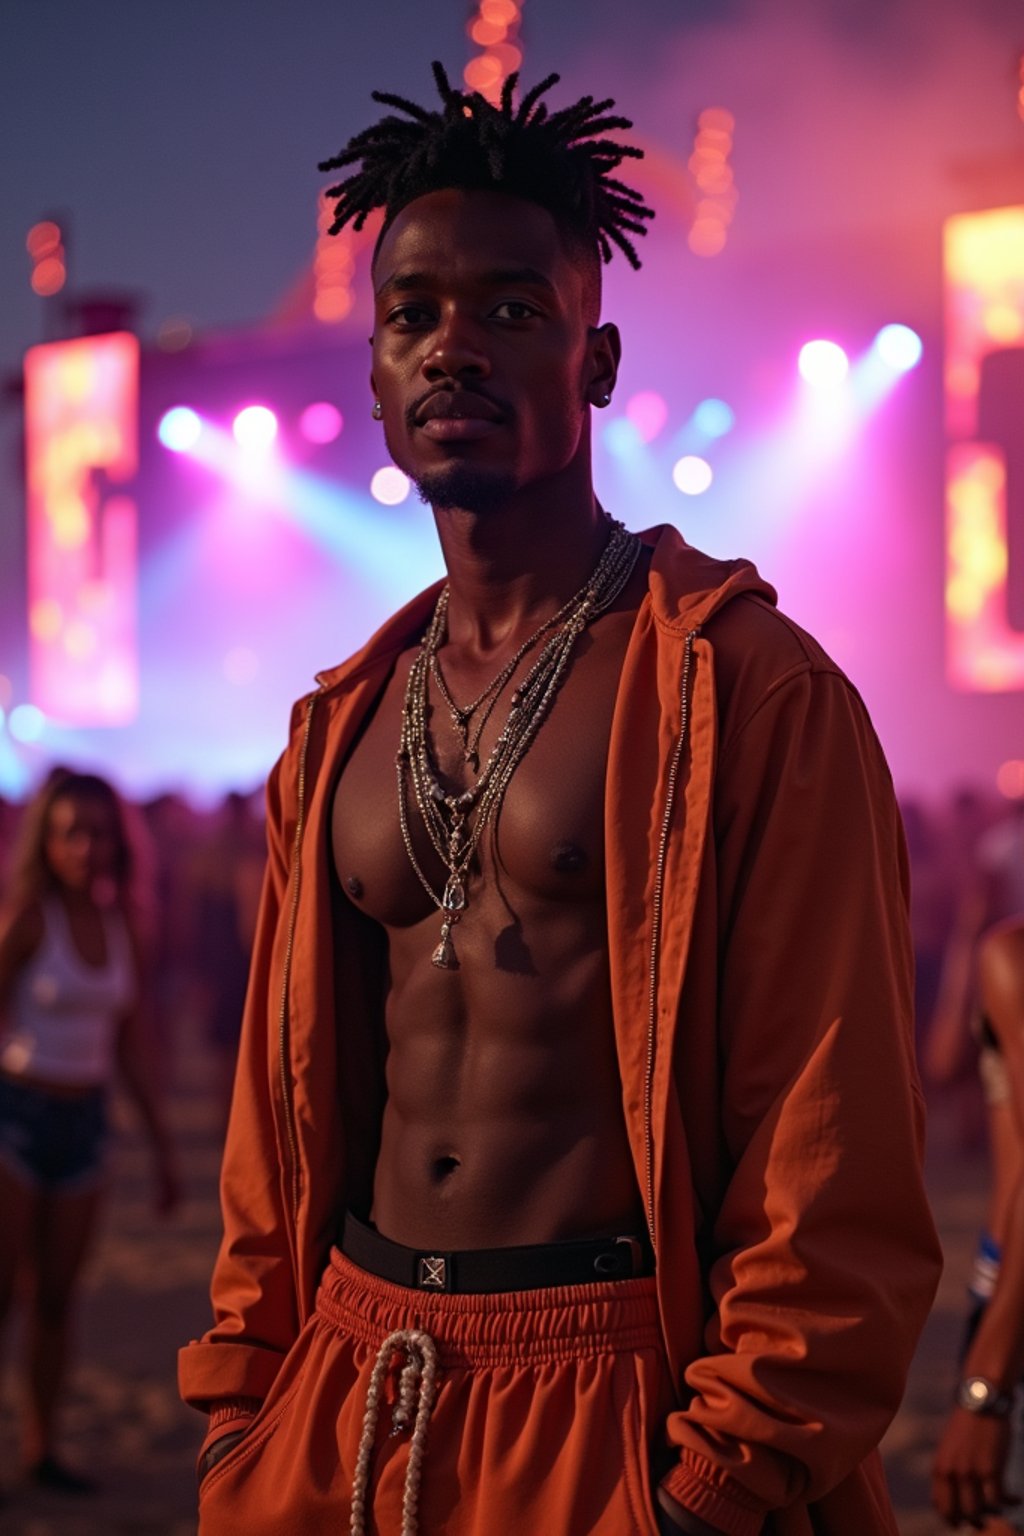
{"x":899,"y":347}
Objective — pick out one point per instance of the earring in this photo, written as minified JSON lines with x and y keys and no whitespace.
{"x":378,"y":410}
{"x":604,"y":399}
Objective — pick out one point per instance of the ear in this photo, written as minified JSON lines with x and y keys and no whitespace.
{"x":604,"y":353}
{"x":373,"y":385}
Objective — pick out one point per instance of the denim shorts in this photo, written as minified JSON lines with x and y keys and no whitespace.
{"x":52,"y":1142}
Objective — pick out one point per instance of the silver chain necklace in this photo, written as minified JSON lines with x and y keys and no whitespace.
{"x":455,"y":823}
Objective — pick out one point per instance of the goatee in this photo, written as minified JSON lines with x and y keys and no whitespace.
{"x":466,"y":488}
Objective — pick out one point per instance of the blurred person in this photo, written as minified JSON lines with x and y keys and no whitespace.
{"x":576,"y":1134}
{"x":931,"y":908}
{"x":71,"y":1015}
{"x":979,"y":1469}
{"x":228,"y":875}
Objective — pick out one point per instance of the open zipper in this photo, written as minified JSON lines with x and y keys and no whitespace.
{"x":657,"y":906}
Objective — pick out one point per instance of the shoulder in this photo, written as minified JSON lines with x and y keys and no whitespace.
{"x":761,"y":655}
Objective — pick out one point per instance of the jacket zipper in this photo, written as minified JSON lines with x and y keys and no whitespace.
{"x":282,"y":1035}
{"x":659,"y":881}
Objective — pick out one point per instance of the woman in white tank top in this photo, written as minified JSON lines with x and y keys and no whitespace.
{"x":69,"y":1020}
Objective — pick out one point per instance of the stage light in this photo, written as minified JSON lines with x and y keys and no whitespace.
{"x":255,"y":428}
{"x":1010,"y":779}
{"x":179,"y":429}
{"x":389,"y":486}
{"x":899,"y":347}
{"x":692,"y":475}
{"x":621,"y":437}
{"x":321,"y":422}
{"x":26,"y":723}
{"x":823,"y":364}
{"x":714,"y":418}
{"x":648,"y":413}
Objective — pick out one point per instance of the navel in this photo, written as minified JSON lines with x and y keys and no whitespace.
{"x":568,"y":858}
{"x":444,"y":1167}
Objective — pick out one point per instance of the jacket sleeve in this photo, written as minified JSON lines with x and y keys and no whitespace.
{"x":824,"y":1258}
{"x":253,"y":1294}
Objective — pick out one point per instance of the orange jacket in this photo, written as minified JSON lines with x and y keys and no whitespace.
{"x":761,"y":981}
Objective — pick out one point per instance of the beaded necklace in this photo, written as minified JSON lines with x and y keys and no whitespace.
{"x":455,"y":823}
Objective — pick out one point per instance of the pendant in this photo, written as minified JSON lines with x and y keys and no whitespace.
{"x":444,"y":956}
{"x":454,"y":895}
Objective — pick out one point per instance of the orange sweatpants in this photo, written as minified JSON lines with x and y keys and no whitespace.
{"x":548,"y":1405}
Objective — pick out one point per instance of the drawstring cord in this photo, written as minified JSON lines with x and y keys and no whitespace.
{"x":419,"y":1377}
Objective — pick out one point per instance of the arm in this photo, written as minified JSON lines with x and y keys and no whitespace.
{"x":21,"y":933}
{"x":967,"y":1478}
{"x":229,"y":1371}
{"x":823,"y":1253}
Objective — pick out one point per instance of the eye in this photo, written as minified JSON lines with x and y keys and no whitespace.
{"x":407,"y":317}
{"x":514,"y":309}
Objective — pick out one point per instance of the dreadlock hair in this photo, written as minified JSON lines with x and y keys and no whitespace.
{"x":559,"y":160}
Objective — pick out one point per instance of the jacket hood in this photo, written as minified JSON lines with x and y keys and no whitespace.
{"x":686,"y":588}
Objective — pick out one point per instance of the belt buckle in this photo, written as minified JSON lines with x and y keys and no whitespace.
{"x":636,"y":1253}
{"x":432,"y":1272}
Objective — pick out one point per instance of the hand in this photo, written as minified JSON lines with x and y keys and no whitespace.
{"x":967,"y":1478}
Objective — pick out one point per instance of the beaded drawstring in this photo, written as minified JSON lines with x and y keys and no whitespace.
{"x":419,"y":1377}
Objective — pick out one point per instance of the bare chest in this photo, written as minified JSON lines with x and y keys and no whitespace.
{"x":544,"y":839}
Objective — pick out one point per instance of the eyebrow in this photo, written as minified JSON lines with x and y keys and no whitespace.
{"x":498,"y":277}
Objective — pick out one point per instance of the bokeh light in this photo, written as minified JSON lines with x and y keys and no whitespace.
{"x":1010,"y":779}
{"x":692,"y":475}
{"x":321,"y":422}
{"x":180,"y":429}
{"x":823,"y":364}
{"x":714,"y":418}
{"x":255,"y":428}
{"x":26,"y":723}
{"x":621,"y":437}
{"x":648,"y":412}
{"x":389,"y":486}
{"x":899,"y":347}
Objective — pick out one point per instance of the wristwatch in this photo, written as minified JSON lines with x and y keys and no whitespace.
{"x":979,"y":1395}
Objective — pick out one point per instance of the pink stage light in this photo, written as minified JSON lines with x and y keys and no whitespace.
{"x":321,"y":423}
{"x":648,"y":413}
{"x":823,"y":364}
{"x":255,"y":428}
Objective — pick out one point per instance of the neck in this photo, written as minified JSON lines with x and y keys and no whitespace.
{"x":512,"y":567}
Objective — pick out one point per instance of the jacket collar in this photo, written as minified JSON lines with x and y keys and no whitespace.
{"x":686,"y":587}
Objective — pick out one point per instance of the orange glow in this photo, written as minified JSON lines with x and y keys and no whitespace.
{"x":81,"y":422}
{"x":500,"y":12}
{"x":1010,"y":779}
{"x":43,"y":239}
{"x":49,"y":277}
{"x":482,"y":72}
{"x":333,"y":305}
{"x":1003,"y":323}
{"x":487,"y":32}
{"x":716,"y":119}
{"x":707,"y":237}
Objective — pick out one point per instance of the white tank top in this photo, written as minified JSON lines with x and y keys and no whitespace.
{"x":64,"y":1014}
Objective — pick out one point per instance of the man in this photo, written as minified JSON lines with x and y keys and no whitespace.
{"x":580,"y":1008}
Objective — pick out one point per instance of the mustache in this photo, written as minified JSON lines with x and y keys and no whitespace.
{"x":412,"y":411}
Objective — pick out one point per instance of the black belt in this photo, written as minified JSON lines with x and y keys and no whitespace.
{"x":496,"y":1269}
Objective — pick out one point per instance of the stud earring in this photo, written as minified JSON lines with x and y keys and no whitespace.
{"x":378,"y":410}
{"x":604,"y":399}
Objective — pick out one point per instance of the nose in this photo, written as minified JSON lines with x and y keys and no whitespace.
{"x":456,"y":349}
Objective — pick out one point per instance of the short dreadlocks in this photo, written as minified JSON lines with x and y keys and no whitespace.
{"x":554,"y":159}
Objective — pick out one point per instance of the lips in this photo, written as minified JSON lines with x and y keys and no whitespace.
{"x":457,"y":416}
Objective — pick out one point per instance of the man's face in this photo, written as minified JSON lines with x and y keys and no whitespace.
{"x":483,"y":361}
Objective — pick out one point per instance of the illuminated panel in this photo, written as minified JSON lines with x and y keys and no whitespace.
{"x":81,"y":414}
{"x":984,"y":269}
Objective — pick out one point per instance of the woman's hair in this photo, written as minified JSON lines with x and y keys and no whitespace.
{"x":30,"y":876}
{"x":560,"y":160}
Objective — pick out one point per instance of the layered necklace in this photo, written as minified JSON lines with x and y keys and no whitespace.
{"x":455,"y":822}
